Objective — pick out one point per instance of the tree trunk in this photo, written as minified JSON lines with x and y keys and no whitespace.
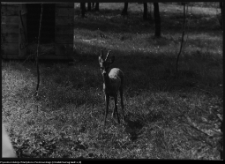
{"x":150,"y":12}
{"x":145,"y":17}
{"x":92,"y":4}
{"x":182,"y":39}
{"x":222,"y":122}
{"x":89,"y":6}
{"x":124,"y":12}
{"x":82,"y":7}
{"x":97,"y":6}
{"x":157,"y":20}
{"x":221,"y":19}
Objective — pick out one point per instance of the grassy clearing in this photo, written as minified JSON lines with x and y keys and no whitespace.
{"x":166,"y":117}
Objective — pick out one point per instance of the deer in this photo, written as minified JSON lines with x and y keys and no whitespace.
{"x":112,"y":83}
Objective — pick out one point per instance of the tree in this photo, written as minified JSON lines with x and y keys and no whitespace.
{"x":83,"y":9}
{"x":182,"y":37}
{"x":124,"y":12}
{"x":145,"y":13}
{"x":93,"y":5}
{"x":97,"y":6}
{"x":221,"y":19}
{"x":157,"y":20}
{"x":150,"y":13}
{"x":89,"y":6}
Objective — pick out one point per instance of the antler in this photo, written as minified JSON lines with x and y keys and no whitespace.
{"x":107,"y":55}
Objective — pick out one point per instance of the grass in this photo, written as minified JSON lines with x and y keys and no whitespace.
{"x":167,"y":116}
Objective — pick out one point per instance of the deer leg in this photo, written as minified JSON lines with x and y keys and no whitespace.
{"x":106,"y":109}
{"x":115,"y":110}
{"x":122,"y":104}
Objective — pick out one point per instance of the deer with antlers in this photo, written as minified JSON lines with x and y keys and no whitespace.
{"x":112,"y":83}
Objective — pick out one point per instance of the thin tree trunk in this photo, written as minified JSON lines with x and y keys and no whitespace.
{"x":150,"y":12}
{"x":97,"y":6}
{"x":157,"y":20}
{"x":182,"y":38}
{"x":89,"y":6}
{"x":37,"y":57}
{"x":222,"y":122}
{"x":221,"y":19}
{"x":124,"y":12}
{"x":83,"y":9}
{"x":92,"y":4}
{"x":145,"y":13}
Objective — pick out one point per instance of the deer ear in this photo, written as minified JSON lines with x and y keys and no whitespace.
{"x":109,"y":60}
{"x":107,"y":55}
{"x":100,"y":58}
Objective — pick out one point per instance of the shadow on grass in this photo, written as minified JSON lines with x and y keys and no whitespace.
{"x":133,"y":126}
{"x":143,"y":71}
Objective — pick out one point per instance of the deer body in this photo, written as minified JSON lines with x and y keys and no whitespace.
{"x":112,"y":84}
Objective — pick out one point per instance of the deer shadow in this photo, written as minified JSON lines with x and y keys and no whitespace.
{"x":133,"y":126}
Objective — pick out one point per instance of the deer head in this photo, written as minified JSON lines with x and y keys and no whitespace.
{"x":105,"y":63}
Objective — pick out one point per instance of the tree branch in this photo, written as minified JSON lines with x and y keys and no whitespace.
{"x":37,"y":62}
{"x":182,"y":38}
